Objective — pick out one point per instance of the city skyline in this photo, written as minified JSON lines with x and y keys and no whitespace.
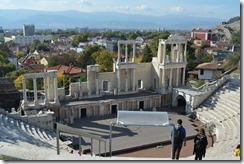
{"x":223,"y":9}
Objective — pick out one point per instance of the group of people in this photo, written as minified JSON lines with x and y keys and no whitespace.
{"x":178,"y":138}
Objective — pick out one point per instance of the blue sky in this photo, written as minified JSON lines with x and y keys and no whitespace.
{"x":223,"y":9}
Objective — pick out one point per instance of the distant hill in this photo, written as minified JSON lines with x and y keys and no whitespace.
{"x":225,"y":29}
{"x":72,"y":19}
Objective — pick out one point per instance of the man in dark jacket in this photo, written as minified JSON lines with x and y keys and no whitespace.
{"x":179,"y":138}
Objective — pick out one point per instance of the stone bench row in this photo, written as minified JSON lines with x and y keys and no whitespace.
{"x":26,"y":129}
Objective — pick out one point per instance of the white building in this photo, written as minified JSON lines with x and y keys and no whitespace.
{"x":27,"y":40}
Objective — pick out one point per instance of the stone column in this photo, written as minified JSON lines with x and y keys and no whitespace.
{"x":170,"y":79}
{"x":118,"y":77}
{"x":126,"y":53}
{"x":118,"y":60}
{"x":45,"y":91}
{"x":178,"y":53}
{"x":164,"y":53}
{"x":159,"y":52}
{"x":177,"y":77}
{"x":134,"y":79}
{"x":55,"y":86}
{"x":163,"y":80}
{"x":35,"y":91}
{"x":101,"y":109}
{"x":80,"y":89}
{"x":134,"y":53}
{"x":24,"y":91}
{"x":184,"y":55}
{"x":126,"y":80}
{"x":97,"y":91}
{"x":88,"y":82}
{"x":183,"y":78}
{"x":172,"y":53}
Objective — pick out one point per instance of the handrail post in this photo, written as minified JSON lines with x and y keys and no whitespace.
{"x":80,"y":145}
{"x":91,"y":146}
{"x":172,"y":140}
{"x":57,"y":138}
{"x":110,"y":138}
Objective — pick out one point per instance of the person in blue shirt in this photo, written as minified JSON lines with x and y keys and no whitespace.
{"x":179,"y":138}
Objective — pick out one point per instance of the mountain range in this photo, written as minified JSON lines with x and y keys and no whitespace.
{"x":71,"y":19}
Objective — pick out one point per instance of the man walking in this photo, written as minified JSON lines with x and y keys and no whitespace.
{"x":178,"y":139}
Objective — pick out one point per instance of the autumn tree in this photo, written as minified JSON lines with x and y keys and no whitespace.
{"x":104,"y":59}
{"x":60,"y":78}
{"x":18,"y":82}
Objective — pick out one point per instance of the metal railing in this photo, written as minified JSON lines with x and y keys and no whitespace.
{"x":79,"y":132}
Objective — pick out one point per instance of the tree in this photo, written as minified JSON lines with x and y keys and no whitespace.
{"x":190,"y":57}
{"x":232,"y":61}
{"x":86,"y":56}
{"x":18,"y":82}
{"x":52,"y":60}
{"x":79,"y":38}
{"x":155,"y":41}
{"x":13,"y":75}
{"x":60,"y":78}
{"x":236,"y":37}
{"x":147,"y":54}
{"x":104,"y":59}
{"x":19,"y":55}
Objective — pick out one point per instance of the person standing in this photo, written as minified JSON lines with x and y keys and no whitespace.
{"x":200,"y":144}
{"x":178,"y":139}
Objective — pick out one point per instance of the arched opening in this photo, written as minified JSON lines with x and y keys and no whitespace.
{"x":181,"y":103}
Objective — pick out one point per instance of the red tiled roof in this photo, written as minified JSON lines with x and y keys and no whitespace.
{"x":37,"y":67}
{"x":210,"y":66}
{"x":212,"y":48}
{"x":201,"y":30}
{"x":66,"y":69}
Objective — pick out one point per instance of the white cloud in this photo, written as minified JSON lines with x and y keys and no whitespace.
{"x":85,"y":3}
{"x":143,"y":8}
{"x":7,"y":4}
{"x":122,"y":8}
{"x":177,"y":9}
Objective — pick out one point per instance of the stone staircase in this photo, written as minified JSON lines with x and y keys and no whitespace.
{"x":223,"y":110}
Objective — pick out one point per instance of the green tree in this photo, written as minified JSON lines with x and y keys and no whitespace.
{"x":53,"y":60}
{"x":232,"y":61}
{"x":236,"y":38}
{"x":79,"y":38}
{"x":155,"y":41}
{"x":190,"y":57}
{"x":104,"y":59}
{"x":13,"y":75}
{"x":19,"y":55}
{"x":37,"y":45}
{"x":147,"y":54}
{"x":86,"y":56}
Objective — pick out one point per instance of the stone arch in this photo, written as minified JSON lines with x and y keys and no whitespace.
{"x":181,"y":102}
